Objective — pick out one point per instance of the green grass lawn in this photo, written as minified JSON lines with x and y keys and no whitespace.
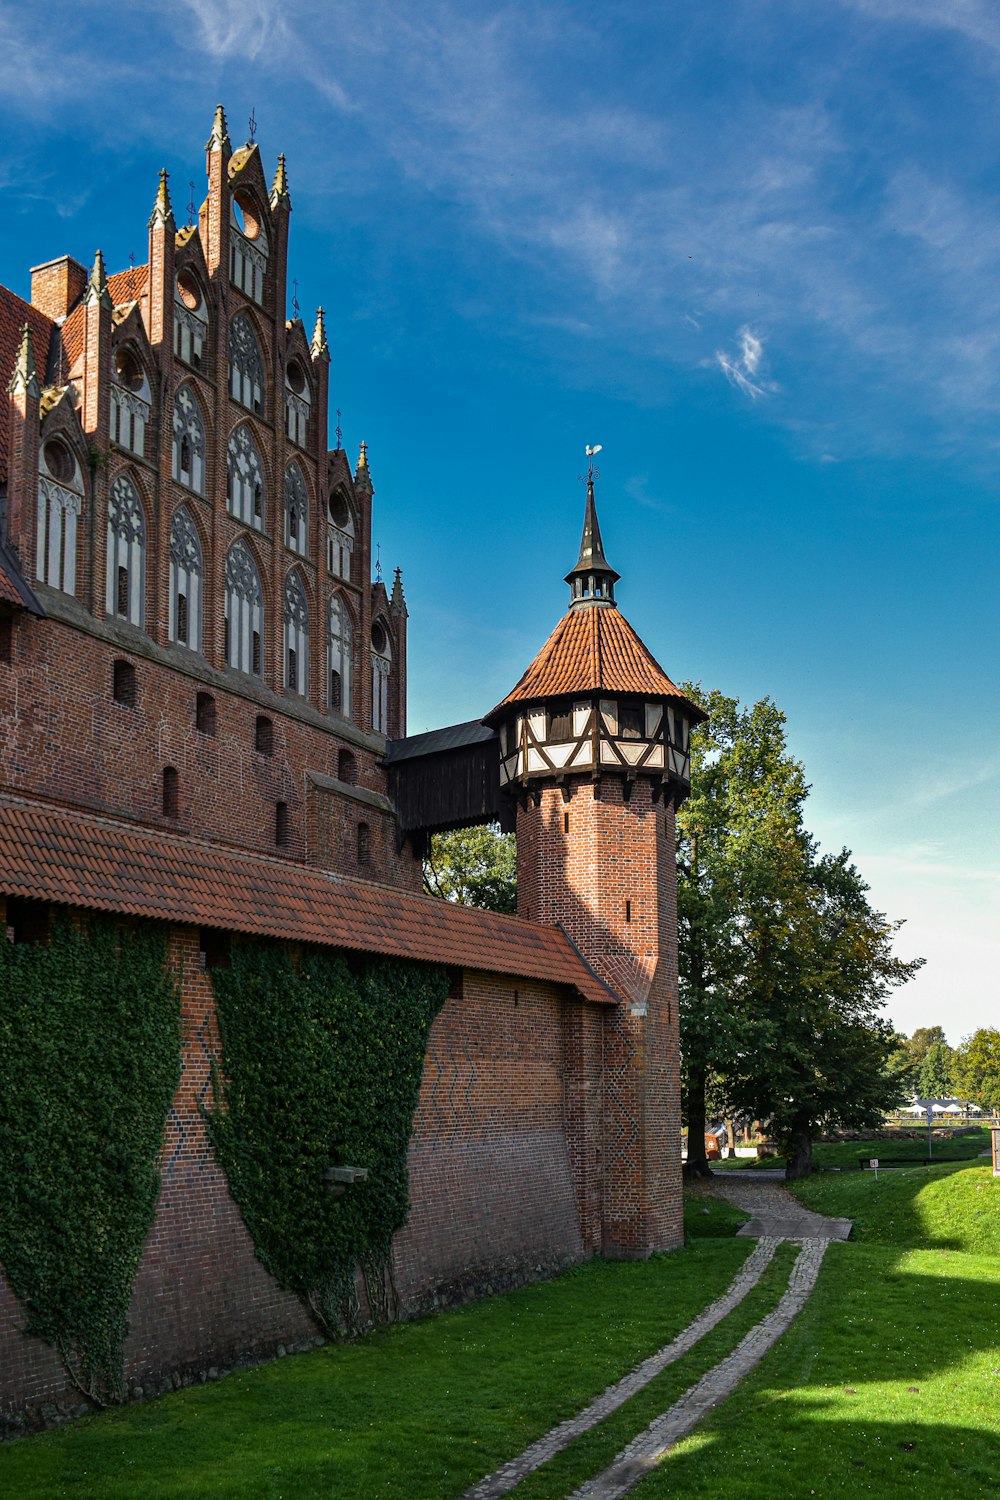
{"x":846,"y":1154}
{"x":706,"y":1217}
{"x":950,"y":1207}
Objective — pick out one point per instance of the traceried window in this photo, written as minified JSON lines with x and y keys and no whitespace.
{"x":298,"y":399}
{"x":246,"y":366}
{"x":296,"y":635}
{"x":381,"y":657}
{"x":339,"y":535}
{"x":130,"y":400}
{"x":341,"y":643}
{"x":126,"y":552}
{"x":244,"y":612}
{"x":247,"y":246}
{"x":189,"y":441}
{"x":245,"y":495}
{"x":60,"y":504}
{"x":296,"y":510}
{"x":186,"y":573}
{"x":190,"y":321}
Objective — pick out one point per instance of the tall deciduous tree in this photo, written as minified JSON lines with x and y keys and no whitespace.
{"x":475,"y":867}
{"x":935,"y":1078}
{"x":977,"y":1068}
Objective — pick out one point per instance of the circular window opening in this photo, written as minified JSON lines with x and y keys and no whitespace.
{"x":59,"y":461}
{"x":246,"y":215}
{"x":295,"y":378}
{"x":340,"y":515}
{"x":380,"y":641}
{"x":188,"y":292}
{"x":128,"y":371}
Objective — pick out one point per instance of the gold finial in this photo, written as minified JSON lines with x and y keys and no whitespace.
{"x":363,"y":455}
{"x":319,"y":348}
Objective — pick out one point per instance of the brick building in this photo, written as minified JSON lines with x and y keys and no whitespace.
{"x":203,"y":722}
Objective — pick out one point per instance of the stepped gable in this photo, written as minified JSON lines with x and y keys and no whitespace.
{"x":593,"y":650}
{"x":14,"y":313}
{"x":75,"y":859}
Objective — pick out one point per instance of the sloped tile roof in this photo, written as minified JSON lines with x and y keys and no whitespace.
{"x":593,"y":649}
{"x":76,"y":859}
{"x":128,"y":286}
{"x":73,"y":333}
{"x":14,"y":313}
{"x":13,"y":588}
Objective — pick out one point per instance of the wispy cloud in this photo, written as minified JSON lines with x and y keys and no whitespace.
{"x":744,"y":368}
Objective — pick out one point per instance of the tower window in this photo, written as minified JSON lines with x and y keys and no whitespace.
{"x":204,"y":714}
{"x":214,"y":948}
{"x":364,"y":844}
{"x":565,"y":822}
{"x":6,"y":638}
{"x":186,"y":568}
{"x":630,"y":721}
{"x":628,"y":911}
{"x":126,"y":551}
{"x":560,"y":724}
{"x":123,"y":684}
{"x":264,"y":736}
{"x":347,"y":767}
{"x":171,"y":792}
{"x":281,"y":824}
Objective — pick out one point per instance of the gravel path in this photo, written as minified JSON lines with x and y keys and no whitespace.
{"x":775,"y":1212}
{"x":649,"y":1448}
{"x":504,"y":1479}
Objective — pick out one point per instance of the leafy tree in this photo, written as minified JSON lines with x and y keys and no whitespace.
{"x":935,"y":1079}
{"x":475,"y":867}
{"x":918,"y":1045}
{"x":977,"y":1068}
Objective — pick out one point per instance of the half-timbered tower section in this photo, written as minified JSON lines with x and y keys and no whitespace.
{"x":186,"y":561}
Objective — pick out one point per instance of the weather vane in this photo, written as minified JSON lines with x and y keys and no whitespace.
{"x":337,"y":429}
{"x":191,"y":204}
{"x":592,"y":473}
{"x":295,"y":299}
{"x":252,"y":122}
{"x":378,"y":563}
{"x":131,"y":259}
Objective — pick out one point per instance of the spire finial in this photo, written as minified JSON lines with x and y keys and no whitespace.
{"x":97,"y":286}
{"x":219,"y":139}
{"x":25,"y":376}
{"x":163,"y":213}
{"x":319,"y":348}
{"x":397,"y":598}
{"x":363,"y":455}
{"x":279,"y":188}
{"x":593,"y":579}
{"x":362,"y":474}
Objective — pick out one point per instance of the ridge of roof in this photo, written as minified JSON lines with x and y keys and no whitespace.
{"x":83,"y":859}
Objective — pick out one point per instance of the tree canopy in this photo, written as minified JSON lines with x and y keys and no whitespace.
{"x":475,"y":867}
{"x":976,"y":1065}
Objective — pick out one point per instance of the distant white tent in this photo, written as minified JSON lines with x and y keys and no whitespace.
{"x":954,"y":1108}
{"x":974,"y":1109}
{"x":938,"y":1109}
{"x":914,"y":1109}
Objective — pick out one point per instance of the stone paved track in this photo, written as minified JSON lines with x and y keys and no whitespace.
{"x":775,"y":1212}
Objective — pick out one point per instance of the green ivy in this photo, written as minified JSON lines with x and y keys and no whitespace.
{"x":89,"y":1062}
{"x":321,"y":1066}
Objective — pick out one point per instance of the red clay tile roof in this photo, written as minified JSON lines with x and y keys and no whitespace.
{"x":76,"y":859}
{"x":14,"y":313}
{"x":72,"y":334}
{"x":593,"y":649}
{"x":8,"y":593}
{"x":13,"y":588}
{"x":128,"y":286}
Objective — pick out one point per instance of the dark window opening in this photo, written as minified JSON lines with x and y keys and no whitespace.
{"x":256,"y":653}
{"x":264,"y":736}
{"x":631,"y":721}
{"x":364,"y":844}
{"x":185,"y":455}
{"x":182,"y":619}
{"x":258,"y":501}
{"x":213,"y":948}
{"x":565,"y":822}
{"x":628,"y":911}
{"x":293,"y":679}
{"x":347,"y":767}
{"x":281,"y":823}
{"x":171,"y":792}
{"x":229,"y":485}
{"x":560,"y":724}
{"x":123,"y":591}
{"x":6,"y":638}
{"x":335,"y":689}
{"x":123,"y":688}
{"x":205,"y":714}
{"x":27,"y":921}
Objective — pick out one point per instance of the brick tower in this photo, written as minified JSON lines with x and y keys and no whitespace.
{"x":594,"y":747}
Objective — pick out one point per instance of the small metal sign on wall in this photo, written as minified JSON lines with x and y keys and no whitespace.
{"x":996,"y":1152}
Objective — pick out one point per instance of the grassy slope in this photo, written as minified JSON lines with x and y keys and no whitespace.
{"x":951,"y":1207}
{"x":415,"y":1414}
{"x":846,"y":1154}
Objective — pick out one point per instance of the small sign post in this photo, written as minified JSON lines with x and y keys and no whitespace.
{"x":873,"y":1163}
{"x":996,"y":1152}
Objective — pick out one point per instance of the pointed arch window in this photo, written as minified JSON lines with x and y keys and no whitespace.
{"x":248,"y":249}
{"x":190,"y":320}
{"x":244,"y":622}
{"x":60,"y":505}
{"x":298,"y":400}
{"x":246,"y":364}
{"x":339,"y":535}
{"x":186,"y":574}
{"x":130,"y":401}
{"x":296,"y":635}
{"x":296,"y":510}
{"x":245,"y":493}
{"x":126,"y":552}
{"x":341,"y":652}
{"x":189,"y":441}
{"x":381,"y":658}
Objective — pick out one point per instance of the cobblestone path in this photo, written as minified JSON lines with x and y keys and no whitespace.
{"x":775,"y":1211}
{"x":649,"y":1448}
{"x":504,"y":1479}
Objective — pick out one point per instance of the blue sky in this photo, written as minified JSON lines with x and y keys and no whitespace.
{"x":751,"y":246}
